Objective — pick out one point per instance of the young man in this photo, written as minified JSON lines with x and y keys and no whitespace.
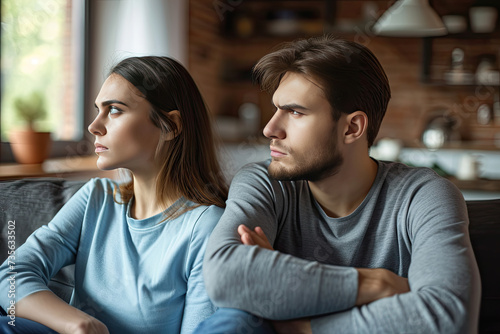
{"x":360,"y":246}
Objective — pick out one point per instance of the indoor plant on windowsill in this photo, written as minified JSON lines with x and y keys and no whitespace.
{"x":28,"y":145}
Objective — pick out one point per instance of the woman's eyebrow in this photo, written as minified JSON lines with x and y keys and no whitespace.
{"x":108,"y":102}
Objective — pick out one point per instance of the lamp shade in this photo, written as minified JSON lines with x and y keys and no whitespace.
{"x":410,"y":18}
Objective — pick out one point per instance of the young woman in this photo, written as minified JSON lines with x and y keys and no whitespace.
{"x":137,"y":247}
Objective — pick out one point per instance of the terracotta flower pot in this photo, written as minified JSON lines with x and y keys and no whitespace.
{"x":30,"y":147}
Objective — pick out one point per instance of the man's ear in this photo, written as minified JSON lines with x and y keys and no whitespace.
{"x":356,"y":126}
{"x":175,"y":117}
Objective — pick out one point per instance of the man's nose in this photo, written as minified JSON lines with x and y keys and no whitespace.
{"x":274,"y":129}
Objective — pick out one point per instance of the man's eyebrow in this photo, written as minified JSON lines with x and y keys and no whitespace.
{"x":108,"y":102}
{"x":291,"y":106}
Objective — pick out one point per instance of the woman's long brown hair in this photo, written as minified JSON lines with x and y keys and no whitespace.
{"x":189,"y":164}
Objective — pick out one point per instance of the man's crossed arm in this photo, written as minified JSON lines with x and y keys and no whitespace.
{"x":373,"y":284}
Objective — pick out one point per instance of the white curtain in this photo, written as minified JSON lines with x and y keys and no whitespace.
{"x":142,"y":28}
{"x":124,"y":28}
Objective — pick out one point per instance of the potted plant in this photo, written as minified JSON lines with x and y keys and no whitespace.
{"x":28,"y":145}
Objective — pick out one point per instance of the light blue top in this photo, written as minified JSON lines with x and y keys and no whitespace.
{"x":136,"y":276}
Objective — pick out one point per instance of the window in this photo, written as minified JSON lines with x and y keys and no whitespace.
{"x":43,"y":51}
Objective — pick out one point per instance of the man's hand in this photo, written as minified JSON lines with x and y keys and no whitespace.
{"x":374,"y":284}
{"x":255,"y":237}
{"x":298,"y":326}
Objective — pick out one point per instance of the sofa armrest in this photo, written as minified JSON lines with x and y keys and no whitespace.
{"x":484,"y":230}
{"x":32,"y":203}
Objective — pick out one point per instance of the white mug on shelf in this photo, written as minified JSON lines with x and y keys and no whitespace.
{"x":483,"y":19}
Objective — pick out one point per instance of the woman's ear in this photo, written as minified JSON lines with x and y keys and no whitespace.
{"x":175,"y":117}
{"x":357,"y":126}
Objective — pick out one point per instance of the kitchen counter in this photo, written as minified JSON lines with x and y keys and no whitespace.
{"x":486,"y":186}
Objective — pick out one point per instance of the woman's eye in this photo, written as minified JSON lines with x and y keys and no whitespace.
{"x":114,"y":110}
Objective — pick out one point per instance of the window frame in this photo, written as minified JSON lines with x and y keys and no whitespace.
{"x":81,"y":146}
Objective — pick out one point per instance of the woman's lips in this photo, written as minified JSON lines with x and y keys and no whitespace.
{"x":100,"y":148}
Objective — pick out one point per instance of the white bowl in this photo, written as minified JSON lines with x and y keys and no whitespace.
{"x":455,"y":23}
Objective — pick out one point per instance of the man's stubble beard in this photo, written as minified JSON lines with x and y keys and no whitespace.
{"x":313,"y":167}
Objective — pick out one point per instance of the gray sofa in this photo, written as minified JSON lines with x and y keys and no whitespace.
{"x":33,"y":202}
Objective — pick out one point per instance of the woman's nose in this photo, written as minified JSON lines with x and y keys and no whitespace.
{"x":96,"y":127}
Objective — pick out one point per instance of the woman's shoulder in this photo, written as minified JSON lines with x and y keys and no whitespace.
{"x":100,"y":187}
{"x":204,"y":212}
{"x":203,"y":218}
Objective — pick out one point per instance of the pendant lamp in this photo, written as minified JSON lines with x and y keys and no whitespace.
{"x":410,"y":18}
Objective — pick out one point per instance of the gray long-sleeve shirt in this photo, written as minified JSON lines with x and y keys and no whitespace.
{"x":412,"y":222}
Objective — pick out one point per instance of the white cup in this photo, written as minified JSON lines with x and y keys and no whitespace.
{"x":483,"y":19}
{"x":468,"y":168}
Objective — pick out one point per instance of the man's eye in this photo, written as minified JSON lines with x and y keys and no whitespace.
{"x":295,"y":113}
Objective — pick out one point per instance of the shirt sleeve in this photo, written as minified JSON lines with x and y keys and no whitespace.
{"x":46,"y":251}
{"x":197,"y":306}
{"x":268,"y":283}
{"x":443,"y":275}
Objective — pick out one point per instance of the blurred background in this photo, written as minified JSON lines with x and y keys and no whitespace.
{"x":442,"y":58}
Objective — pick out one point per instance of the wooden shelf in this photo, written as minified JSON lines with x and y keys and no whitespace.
{"x":442,"y":83}
{"x":472,"y":35}
{"x":427,"y":54}
{"x":77,"y":168}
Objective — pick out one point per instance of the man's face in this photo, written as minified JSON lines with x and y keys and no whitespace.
{"x":302,"y":132}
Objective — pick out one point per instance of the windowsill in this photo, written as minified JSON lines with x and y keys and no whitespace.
{"x":76,"y":168}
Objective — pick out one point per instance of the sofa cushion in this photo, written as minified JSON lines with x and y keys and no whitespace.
{"x":32,"y":203}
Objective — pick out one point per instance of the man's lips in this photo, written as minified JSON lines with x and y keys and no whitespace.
{"x":276,"y":153}
{"x":100,"y":148}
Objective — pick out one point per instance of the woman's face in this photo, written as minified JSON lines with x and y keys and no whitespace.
{"x":125,"y":136}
